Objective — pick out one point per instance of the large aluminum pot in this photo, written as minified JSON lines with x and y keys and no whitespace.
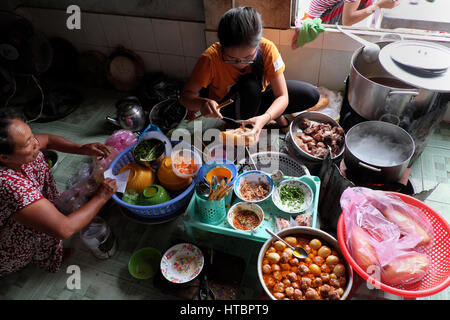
{"x":378,"y":151}
{"x":376,"y":95}
{"x":307,"y":233}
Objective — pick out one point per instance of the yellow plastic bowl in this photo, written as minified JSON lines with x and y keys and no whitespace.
{"x":220,"y":173}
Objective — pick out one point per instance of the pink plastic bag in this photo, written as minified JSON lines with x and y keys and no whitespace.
{"x":101,"y":165}
{"x":121,"y":139}
{"x":386,"y":232}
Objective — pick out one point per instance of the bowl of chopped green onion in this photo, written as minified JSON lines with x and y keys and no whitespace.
{"x":292,"y":196}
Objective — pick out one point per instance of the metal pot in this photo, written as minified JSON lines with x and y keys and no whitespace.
{"x":377,"y":95}
{"x":130,"y":114}
{"x":378,"y":151}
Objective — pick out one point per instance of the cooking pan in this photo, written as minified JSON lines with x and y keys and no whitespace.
{"x":378,"y":151}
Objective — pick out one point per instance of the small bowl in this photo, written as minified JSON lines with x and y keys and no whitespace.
{"x":245,"y":206}
{"x":220,"y":173}
{"x":189,"y":154}
{"x":253,"y":176}
{"x":144,"y":263}
{"x":52,"y":156}
{"x":308,"y":196}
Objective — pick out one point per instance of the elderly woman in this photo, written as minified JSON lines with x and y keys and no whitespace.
{"x":31,"y":227}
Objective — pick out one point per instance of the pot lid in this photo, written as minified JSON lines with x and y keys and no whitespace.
{"x":421,"y":64}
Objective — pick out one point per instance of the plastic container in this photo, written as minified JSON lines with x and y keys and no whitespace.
{"x":169,"y":180}
{"x":210,"y":211}
{"x":223,"y":163}
{"x":144,"y":263}
{"x":438,"y":276}
{"x":191,"y":221}
{"x":99,"y":239}
{"x":186,"y":155}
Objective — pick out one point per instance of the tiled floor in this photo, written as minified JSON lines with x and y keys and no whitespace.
{"x":110,"y":279}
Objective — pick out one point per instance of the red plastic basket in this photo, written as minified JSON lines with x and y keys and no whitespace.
{"x":438,"y":276}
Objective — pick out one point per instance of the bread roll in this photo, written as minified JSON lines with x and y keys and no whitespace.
{"x":361,"y":249}
{"x":237,"y":137}
{"x":407,"y":225}
{"x":408,"y":268}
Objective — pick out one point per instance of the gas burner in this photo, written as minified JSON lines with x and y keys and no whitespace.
{"x":404,"y":185}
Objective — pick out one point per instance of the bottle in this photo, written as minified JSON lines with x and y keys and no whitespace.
{"x":97,"y":236}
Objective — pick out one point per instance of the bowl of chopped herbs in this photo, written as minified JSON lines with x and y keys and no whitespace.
{"x":292,"y":196}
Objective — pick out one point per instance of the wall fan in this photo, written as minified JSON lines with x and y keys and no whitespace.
{"x":25,"y":55}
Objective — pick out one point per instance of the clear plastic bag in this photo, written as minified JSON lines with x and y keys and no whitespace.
{"x":385,"y":232}
{"x":121,"y":139}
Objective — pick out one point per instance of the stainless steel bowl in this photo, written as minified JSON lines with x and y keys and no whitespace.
{"x":307,"y":233}
{"x":314,"y":116}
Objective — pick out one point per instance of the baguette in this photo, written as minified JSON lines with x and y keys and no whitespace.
{"x":237,"y":137}
{"x":407,"y":225}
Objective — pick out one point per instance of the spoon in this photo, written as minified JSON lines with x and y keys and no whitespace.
{"x":370,"y":51}
{"x":299,"y":252}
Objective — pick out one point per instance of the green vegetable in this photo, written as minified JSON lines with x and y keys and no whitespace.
{"x":149,"y":150}
{"x":292,"y":196}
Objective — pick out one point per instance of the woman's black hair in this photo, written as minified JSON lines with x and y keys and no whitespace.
{"x":6,"y":118}
{"x":240,"y":26}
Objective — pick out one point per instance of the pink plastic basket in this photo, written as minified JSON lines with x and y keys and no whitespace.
{"x":438,"y":276}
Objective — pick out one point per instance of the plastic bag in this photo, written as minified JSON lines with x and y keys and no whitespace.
{"x":333,"y":108}
{"x":383,"y":231}
{"x":121,"y":139}
{"x":301,"y":220}
{"x":100,"y":165}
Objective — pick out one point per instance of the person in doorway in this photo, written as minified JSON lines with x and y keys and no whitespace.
{"x":346,"y":12}
{"x":248,"y":68}
{"x":31,"y":227}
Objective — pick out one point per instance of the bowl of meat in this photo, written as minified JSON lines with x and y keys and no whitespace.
{"x":253,"y":186}
{"x":313,"y":134}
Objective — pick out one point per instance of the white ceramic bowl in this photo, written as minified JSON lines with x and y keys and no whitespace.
{"x":253,"y":176}
{"x":245,"y":206}
{"x":307,"y":194}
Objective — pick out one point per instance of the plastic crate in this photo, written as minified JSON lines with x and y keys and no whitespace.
{"x":270,"y":211}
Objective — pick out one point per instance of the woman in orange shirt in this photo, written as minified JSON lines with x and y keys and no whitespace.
{"x":249,"y":69}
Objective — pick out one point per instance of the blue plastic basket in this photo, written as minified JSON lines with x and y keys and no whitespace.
{"x":176,"y":204}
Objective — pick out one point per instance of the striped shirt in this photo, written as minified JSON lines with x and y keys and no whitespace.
{"x":318,"y":7}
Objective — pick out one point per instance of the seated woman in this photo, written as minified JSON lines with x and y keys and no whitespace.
{"x":346,"y":12}
{"x":31,"y":227}
{"x":249,"y":69}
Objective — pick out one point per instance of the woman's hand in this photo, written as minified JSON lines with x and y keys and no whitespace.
{"x":95,"y":149}
{"x":257,"y":123}
{"x":107,"y":188}
{"x":209,"y":109}
{"x":387,"y":4}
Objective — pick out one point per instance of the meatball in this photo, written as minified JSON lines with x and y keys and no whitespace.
{"x":279,"y":287}
{"x":266,"y":269}
{"x":333,"y":295}
{"x":278,"y":295}
{"x":311,"y":294}
{"x":303,"y":270}
{"x":273,"y":257}
{"x":325,"y":290}
{"x":298,"y":294}
{"x":289,"y":292}
{"x":292,"y":276}
{"x":306,"y":283}
{"x":317,"y":282}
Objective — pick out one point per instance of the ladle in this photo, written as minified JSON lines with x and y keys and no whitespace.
{"x":299,"y":252}
{"x":370,"y":51}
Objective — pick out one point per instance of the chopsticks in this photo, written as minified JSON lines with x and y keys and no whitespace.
{"x":220,"y":106}
{"x":220,"y":192}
